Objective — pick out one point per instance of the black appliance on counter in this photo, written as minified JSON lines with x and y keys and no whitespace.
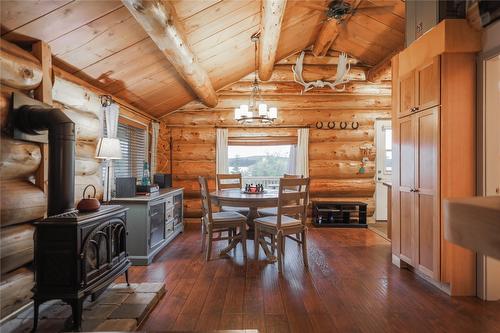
{"x":76,"y":254}
{"x":163,"y":179}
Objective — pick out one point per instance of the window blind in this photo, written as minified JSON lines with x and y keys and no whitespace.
{"x":133,"y":146}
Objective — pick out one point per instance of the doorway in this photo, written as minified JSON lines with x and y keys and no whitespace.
{"x":383,"y":174}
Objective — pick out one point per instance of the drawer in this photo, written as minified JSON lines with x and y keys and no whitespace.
{"x":169,"y":201}
{"x":169,"y":228}
{"x":169,"y":214}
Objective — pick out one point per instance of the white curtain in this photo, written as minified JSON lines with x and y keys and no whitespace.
{"x":221,"y":159}
{"x":292,"y":161}
{"x":302,"y":153}
{"x":155,"y":130}
{"x":111,"y":115}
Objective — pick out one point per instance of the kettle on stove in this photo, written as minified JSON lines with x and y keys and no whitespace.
{"x":89,"y":204}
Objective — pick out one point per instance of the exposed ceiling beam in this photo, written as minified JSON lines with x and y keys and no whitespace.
{"x":270,"y":29}
{"x":330,"y":31}
{"x":380,"y":71}
{"x":159,"y":20}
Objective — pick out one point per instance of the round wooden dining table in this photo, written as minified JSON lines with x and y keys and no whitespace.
{"x":252,"y":201}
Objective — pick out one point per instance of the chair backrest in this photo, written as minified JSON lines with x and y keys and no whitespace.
{"x":293,"y":197}
{"x":289,"y":176}
{"x":227,"y":181}
{"x":206,"y":204}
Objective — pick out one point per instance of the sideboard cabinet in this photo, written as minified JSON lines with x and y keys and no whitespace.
{"x":153,"y":221}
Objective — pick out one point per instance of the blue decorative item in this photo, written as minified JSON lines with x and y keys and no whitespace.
{"x":145,"y":174}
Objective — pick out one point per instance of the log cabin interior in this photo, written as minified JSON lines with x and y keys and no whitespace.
{"x":250,"y":165}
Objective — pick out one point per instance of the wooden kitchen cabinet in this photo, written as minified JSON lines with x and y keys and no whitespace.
{"x":419,"y":89}
{"x":434,"y":152}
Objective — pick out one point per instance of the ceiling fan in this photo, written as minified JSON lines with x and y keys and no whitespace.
{"x":339,"y":9}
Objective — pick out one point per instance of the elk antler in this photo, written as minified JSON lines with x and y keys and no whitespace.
{"x":343,"y":68}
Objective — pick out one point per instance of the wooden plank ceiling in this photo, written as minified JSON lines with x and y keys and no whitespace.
{"x":102,"y":43}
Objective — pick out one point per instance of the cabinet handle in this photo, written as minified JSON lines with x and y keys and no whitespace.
{"x":416,"y":108}
{"x":416,"y":190}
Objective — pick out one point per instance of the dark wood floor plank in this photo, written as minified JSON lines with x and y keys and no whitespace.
{"x":350,"y":286}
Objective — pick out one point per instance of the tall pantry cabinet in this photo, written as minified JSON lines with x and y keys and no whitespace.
{"x":434,"y":151}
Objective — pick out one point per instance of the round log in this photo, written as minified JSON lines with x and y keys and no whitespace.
{"x":193,"y":169}
{"x":19,"y":68}
{"x":16,"y":246}
{"x":341,"y":101}
{"x":86,"y":166}
{"x":192,"y":187}
{"x":18,"y":159}
{"x":192,"y":207}
{"x":87,"y":125}
{"x":293,"y":88}
{"x":5,"y":99}
{"x":82,"y":181}
{"x":15,"y":290}
{"x":342,"y":187}
{"x":285,"y":117}
{"x":193,"y":152}
{"x":85,"y":149}
{"x":193,"y":135}
{"x":340,"y":150}
{"x":340,"y":169}
{"x":363,"y":133}
{"x":313,"y":73}
{"x":76,"y":96}
{"x":21,"y":201}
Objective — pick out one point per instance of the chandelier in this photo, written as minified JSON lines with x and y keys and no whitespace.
{"x":256,"y":111}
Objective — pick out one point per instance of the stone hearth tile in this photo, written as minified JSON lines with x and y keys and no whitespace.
{"x":150,"y":287}
{"x":123,"y":288}
{"x":57,"y":311}
{"x":128,"y":311}
{"x":100,"y":311}
{"x":89,"y":325}
{"x":117,"y":325}
{"x":112,"y":297}
{"x":141,"y":298}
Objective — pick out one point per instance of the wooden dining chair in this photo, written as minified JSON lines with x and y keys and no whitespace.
{"x":290,"y":220}
{"x":231,"y":223}
{"x":231,"y":181}
{"x":270,"y":211}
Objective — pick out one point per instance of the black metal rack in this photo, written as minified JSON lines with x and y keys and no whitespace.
{"x":345,"y":214}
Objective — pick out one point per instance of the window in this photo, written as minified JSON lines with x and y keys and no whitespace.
{"x":133,"y":146}
{"x":261,"y":164}
{"x":387,"y":150}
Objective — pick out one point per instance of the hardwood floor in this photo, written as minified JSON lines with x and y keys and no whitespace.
{"x":351,"y":286}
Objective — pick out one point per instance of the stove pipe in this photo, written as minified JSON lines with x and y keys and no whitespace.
{"x":61,"y":188}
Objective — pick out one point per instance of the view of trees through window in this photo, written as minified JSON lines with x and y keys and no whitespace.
{"x":260,"y":161}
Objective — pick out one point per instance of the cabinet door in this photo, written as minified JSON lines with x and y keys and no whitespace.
{"x":428,"y":84}
{"x":405,"y":197}
{"x":426,"y":200}
{"x":407,"y":94}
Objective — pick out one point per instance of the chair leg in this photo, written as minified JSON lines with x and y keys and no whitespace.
{"x":209,"y":245}
{"x":203,"y":235}
{"x":273,"y":244}
{"x":298,"y":237}
{"x":304,"y":249}
{"x":283,"y":243}
{"x":279,"y":254}
{"x":244,"y":241}
{"x":230,"y":236}
{"x":256,"y":242}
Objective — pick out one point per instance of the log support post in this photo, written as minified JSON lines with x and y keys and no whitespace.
{"x":43,"y":93}
{"x":270,"y":29}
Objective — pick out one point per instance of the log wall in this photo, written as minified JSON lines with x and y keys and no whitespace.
{"x":334,"y":155}
{"x":21,"y":201}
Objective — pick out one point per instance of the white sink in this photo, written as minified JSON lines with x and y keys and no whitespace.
{"x":474,"y":223}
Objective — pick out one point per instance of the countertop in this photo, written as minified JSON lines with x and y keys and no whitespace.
{"x":163,"y":192}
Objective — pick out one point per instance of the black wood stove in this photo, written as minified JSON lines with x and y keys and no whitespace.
{"x":76,"y":254}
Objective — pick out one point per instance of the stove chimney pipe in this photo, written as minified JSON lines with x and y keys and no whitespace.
{"x":61,"y":188}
